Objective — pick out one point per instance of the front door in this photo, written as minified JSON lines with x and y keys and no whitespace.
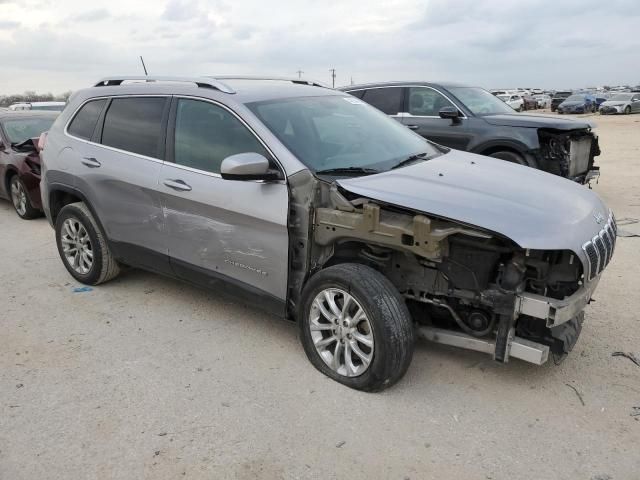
{"x":227,"y":234}
{"x":424,"y":105}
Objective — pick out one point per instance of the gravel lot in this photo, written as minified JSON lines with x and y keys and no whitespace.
{"x":145,"y":377}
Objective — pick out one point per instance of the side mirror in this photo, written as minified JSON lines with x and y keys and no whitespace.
{"x":451,"y":113}
{"x":248,"y":166}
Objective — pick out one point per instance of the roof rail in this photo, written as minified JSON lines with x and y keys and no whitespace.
{"x":203,"y":82}
{"x":300,"y":81}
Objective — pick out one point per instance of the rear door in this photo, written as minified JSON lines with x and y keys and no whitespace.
{"x":422,"y":116}
{"x":116,"y":165}
{"x":224,"y":233}
{"x":635,"y":103}
{"x":389,"y":100}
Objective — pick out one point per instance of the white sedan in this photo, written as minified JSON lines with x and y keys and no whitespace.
{"x":544,"y":101}
{"x":514,"y":101}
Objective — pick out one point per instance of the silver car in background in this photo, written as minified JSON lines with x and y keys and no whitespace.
{"x":315,"y":206}
{"x":625,"y":103}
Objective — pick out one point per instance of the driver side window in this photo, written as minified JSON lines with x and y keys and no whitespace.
{"x":206,"y":134}
{"x":426,"y":102}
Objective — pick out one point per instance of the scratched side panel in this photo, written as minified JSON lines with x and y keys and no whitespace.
{"x":233,"y":228}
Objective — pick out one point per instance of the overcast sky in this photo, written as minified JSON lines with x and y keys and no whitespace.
{"x":68,"y":44}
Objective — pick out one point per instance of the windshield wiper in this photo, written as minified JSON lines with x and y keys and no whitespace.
{"x":410,"y":159}
{"x":348,"y":171}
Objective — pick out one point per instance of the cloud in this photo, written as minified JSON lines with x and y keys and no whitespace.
{"x":8,"y":24}
{"x":181,"y":10}
{"x":94,"y":15}
{"x":491,"y":43}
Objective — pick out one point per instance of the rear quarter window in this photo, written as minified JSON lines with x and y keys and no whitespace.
{"x":135,"y":125}
{"x":84,"y":122}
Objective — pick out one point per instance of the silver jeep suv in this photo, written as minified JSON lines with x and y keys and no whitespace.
{"x":311,"y":204}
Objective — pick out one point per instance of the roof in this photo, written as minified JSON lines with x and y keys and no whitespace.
{"x":347,"y":88}
{"x":235,"y":89}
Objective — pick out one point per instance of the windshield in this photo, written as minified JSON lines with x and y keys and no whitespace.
{"x":575,"y":98}
{"x":21,"y":129}
{"x":336,"y":132}
{"x":622,"y":96}
{"x":481,"y":102}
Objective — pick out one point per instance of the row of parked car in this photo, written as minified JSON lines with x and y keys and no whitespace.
{"x":368,"y":226}
{"x":605,"y":104}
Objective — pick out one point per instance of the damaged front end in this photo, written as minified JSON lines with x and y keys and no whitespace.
{"x":570,"y":154}
{"x":465,"y":286}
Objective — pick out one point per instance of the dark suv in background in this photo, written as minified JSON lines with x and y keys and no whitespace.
{"x":472,"y":119}
{"x":558,"y":98}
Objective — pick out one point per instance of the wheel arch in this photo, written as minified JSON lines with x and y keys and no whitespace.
{"x":62,"y":195}
{"x":8,"y":175}
{"x":488,"y":148}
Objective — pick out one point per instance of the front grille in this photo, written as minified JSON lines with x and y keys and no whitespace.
{"x":600,"y":249}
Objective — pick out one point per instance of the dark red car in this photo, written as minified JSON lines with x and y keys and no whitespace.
{"x":20,"y":159}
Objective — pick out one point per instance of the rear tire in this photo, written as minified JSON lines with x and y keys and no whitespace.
{"x":369,"y":345}
{"x":83,"y":247}
{"x":20,"y":199}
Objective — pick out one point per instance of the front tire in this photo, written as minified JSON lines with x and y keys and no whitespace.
{"x":355,"y":327}
{"x":20,"y":199}
{"x":82,"y":246}
{"x":627,"y":110}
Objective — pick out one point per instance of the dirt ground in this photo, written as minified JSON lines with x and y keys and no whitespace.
{"x":145,"y":377}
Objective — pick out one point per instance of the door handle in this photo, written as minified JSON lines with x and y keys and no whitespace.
{"x":413,"y":127}
{"x":90,"y":162}
{"x":179,"y":185}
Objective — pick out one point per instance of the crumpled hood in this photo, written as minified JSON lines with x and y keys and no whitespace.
{"x":534,"y":121}
{"x":537,"y":210}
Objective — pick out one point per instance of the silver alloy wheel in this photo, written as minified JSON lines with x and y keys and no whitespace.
{"x":18,"y":196}
{"x":76,"y":245}
{"x":341,"y":332}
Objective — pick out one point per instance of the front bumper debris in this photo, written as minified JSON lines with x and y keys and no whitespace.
{"x":556,"y":312}
{"x":517,"y":347}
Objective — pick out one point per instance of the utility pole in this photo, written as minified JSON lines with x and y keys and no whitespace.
{"x":333,"y":77}
{"x":143,"y":66}
{"x":299,"y":72}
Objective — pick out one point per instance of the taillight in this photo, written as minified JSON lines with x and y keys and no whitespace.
{"x":41,"y":141}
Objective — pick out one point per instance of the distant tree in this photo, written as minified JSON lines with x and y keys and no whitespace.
{"x":31,"y":96}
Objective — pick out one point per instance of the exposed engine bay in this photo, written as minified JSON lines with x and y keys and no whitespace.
{"x":570,"y":154}
{"x":464,"y":286}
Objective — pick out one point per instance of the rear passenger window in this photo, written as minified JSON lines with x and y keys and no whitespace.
{"x":389,"y":100}
{"x":84,"y":123}
{"x":206,"y":134}
{"x":135,"y":125}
